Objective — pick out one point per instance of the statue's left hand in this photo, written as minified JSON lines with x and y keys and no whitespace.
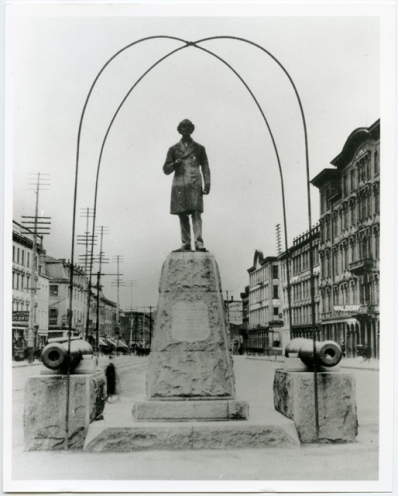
{"x":206,"y":191}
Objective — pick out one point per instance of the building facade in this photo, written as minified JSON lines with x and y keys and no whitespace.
{"x":137,"y":327}
{"x":58,"y":271}
{"x":300,"y":287}
{"x":349,"y":244}
{"x":265,"y":306}
{"x":24,"y":284}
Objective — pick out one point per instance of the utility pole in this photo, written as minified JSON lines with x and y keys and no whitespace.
{"x":278,"y":240}
{"x":41,"y":226}
{"x":103,"y":230}
{"x":150,"y":327}
{"x":118,"y":282}
{"x":89,"y":241}
{"x":131,"y":284}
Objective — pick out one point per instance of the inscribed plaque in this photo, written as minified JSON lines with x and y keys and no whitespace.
{"x":190,"y":321}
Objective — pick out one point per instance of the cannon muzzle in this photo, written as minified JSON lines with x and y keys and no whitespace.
{"x":55,"y":355}
{"x":327,"y":353}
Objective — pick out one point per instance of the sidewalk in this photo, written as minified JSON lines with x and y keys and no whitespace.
{"x":346,"y":363}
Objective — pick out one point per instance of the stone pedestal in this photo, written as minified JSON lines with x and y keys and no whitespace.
{"x":190,"y":357}
{"x":190,"y":375}
{"x":294,"y":398}
{"x":45,"y":407}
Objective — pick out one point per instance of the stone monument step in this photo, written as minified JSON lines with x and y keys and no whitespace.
{"x":178,"y":411}
{"x":189,"y":436}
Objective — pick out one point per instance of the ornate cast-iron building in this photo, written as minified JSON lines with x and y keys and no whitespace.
{"x":265,"y":317}
{"x":349,"y":243}
{"x":300,"y":287}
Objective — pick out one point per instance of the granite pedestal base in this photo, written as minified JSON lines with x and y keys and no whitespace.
{"x":45,"y":408}
{"x":294,"y":398}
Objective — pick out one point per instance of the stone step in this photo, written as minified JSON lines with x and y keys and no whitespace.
{"x":189,"y":436}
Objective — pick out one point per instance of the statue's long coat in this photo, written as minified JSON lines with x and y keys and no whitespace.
{"x":187,"y":188}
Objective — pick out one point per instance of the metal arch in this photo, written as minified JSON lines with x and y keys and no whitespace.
{"x":306,"y":146}
{"x":309,"y":209}
{"x":74,"y":212}
{"x":264,"y":118}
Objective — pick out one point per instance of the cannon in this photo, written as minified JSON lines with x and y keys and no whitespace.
{"x":55,"y":355}
{"x":327,"y":353}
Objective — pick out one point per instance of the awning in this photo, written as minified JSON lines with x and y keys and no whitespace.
{"x":122,"y":343}
{"x":102,"y":342}
{"x":110,"y":342}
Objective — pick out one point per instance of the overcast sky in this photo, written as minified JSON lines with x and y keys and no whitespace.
{"x":334,"y":62}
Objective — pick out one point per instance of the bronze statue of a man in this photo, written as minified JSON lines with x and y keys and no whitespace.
{"x":187,"y":159}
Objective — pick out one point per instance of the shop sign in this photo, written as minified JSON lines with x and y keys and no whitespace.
{"x":20,"y":316}
{"x":235,"y":313}
{"x":347,"y":308}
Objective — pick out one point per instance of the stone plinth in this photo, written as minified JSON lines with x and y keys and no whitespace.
{"x":190,"y":355}
{"x":189,"y":436}
{"x":294,"y":398}
{"x":45,"y":406}
{"x":180,"y":411}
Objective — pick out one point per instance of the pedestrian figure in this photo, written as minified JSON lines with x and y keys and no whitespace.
{"x":110,"y":380}
{"x":343,"y":347}
{"x":240,"y":345}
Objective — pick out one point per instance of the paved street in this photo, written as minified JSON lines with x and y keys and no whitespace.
{"x":358,"y":461}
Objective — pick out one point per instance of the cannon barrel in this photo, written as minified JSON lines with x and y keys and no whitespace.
{"x":55,"y":355}
{"x":327,"y":353}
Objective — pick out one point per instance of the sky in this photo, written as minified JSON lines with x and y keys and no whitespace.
{"x":334,"y":62}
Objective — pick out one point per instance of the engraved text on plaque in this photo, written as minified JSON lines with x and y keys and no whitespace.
{"x":190,"y":321}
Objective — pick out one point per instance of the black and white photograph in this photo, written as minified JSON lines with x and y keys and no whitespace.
{"x":199,"y":247}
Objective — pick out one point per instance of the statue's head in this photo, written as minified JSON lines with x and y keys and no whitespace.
{"x":186,"y":127}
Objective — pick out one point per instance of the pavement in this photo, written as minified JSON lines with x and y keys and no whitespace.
{"x":254,"y":377}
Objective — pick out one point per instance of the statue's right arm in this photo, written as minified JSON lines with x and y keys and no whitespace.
{"x":169,"y":165}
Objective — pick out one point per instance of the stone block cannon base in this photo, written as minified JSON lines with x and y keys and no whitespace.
{"x":45,"y":408}
{"x":294,"y":398}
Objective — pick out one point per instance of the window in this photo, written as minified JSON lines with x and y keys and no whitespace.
{"x":27,"y":282}
{"x":368,"y":167}
{"x":275,"y":295}
{"x":28,"y":260}
{"x":276,"y":311}
{"x":377,"y":202}
{"x":352,"y":179}
{"x":23,"y":282}
{"x":53,"y":290}
{"x":275,"y":272}
{"x":17,"y":286}
{"x":13,"y":280}
{"x":23,"y":257}
{"x":376,"y":162}
{"x":13,"y":253}
{"x":17,"y":255}
{"x":53,"y":316}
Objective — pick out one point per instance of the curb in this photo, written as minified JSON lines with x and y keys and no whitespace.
{"x":15,"y":366}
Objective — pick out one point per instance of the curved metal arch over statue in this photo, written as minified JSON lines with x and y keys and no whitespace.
{"x":195,"y":45}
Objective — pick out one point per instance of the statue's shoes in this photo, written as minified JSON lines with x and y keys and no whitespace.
{"x":201,"y":248}
{"x":183,"y":248}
